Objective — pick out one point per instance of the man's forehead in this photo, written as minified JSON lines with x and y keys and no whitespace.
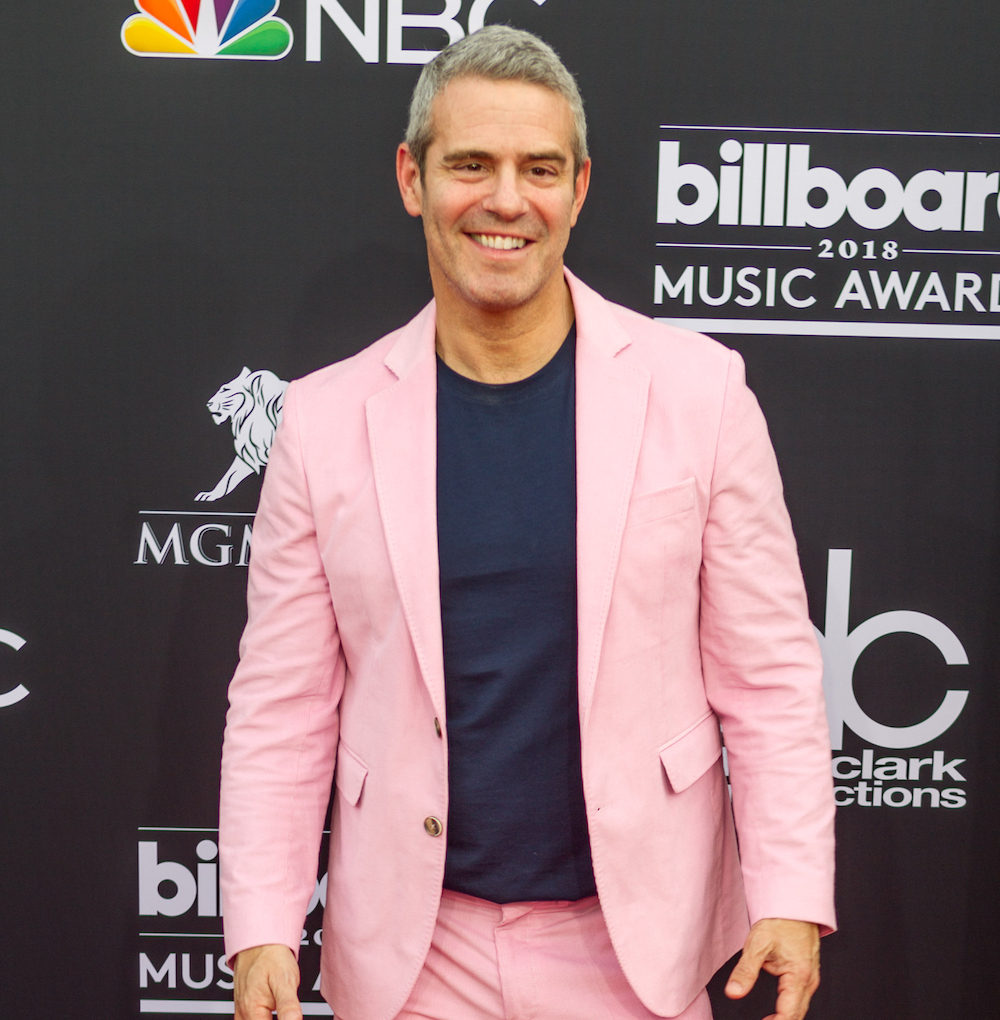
{"x":486,"y":109}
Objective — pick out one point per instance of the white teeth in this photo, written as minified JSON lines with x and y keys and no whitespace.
{"x":496,"y":241}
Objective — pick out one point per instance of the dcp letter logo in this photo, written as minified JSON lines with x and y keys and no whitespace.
{"x":20,"y":692}
{"x":841,"y":651}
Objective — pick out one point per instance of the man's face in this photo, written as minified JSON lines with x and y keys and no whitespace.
{"x":498,"y":195}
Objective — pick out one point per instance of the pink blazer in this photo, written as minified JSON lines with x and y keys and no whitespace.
{"x":692,"y":612}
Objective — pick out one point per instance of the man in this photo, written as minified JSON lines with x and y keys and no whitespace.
{"x":510,"y":591}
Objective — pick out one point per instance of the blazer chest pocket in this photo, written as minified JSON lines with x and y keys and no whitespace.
{"x":688,"y":757}
{"x":654,"y":506}
{"x":350,"y":775}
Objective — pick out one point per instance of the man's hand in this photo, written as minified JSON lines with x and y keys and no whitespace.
{"x":790,"y":951}
{"x":266,"y":978}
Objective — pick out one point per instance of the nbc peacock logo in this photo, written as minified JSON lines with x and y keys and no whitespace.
{"x":235,"y":29}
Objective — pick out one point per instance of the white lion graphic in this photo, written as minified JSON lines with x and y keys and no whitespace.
{"x":253,"y":401}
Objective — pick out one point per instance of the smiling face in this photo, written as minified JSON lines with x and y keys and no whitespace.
{"x":498,"y":195}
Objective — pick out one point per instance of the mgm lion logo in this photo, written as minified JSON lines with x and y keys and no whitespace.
{"x":253,"y":402}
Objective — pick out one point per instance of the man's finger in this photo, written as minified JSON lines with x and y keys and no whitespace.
{"x":282,"y":1000}
{"x":795,"y":990}
{"x":287,"y":1005}
{"x":255,"y":1011}
{"x":746,"y":971}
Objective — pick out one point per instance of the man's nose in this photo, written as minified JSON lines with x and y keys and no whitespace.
{"x":505,"y":198}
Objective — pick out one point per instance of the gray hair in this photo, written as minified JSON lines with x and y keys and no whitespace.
{"x":497,"y":53}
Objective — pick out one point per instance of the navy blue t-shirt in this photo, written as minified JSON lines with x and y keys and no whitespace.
{"x":506,"y":495}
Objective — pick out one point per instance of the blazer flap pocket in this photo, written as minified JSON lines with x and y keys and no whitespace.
{"x":350,"y":774}
{"x":665,"y":503}
{"x":689,"y":756}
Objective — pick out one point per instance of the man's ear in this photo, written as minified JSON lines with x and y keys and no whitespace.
{"x":581,"y":187}
{"x":408,"y":177}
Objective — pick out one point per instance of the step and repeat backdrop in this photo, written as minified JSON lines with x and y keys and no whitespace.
{"x":197,"y":204}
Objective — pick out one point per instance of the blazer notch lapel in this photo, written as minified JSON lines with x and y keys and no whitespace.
{"x":611,"y":411}
{"x":402,"y":431}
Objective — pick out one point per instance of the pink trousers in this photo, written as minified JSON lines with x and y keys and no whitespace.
{"x":549,"y":960}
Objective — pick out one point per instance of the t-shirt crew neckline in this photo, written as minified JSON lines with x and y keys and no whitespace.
{"x":511,"y":392}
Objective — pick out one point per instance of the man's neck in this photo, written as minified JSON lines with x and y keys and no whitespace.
{"x":503,"y":346}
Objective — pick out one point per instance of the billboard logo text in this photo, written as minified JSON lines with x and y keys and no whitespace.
{"x":769,"y":184}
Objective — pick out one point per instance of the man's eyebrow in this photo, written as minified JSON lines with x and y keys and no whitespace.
{"x":546,"y":157}
{"x":457,"y":157}
{"x":481,"y":154}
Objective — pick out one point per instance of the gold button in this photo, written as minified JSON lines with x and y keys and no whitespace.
{"x":437,"y":727}
{"x":433,"y":825}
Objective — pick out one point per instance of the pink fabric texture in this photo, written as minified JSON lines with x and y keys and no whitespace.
{"x":521,"y":961}
{"x":692,"y":612}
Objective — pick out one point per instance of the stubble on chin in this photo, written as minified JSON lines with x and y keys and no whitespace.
{"x":496,"y":292}
{"x":499,"y":298}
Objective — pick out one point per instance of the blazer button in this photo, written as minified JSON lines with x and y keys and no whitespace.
{"x":437,"y":727}
{"x":433,"y":825}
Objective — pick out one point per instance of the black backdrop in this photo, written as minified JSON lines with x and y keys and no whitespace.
{"x":166,"y":222}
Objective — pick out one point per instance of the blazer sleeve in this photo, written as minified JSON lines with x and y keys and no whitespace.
{"x":282,"y":726}
{"x":763,"y":674}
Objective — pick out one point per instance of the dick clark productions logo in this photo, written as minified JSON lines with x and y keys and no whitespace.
{"x":232,"y":29}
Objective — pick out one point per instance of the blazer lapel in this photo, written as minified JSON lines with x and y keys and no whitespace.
{"x":611,"y":399}
{"x":402,"y":430}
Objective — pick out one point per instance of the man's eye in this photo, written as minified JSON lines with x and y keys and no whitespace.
{"x":541,"y":171}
